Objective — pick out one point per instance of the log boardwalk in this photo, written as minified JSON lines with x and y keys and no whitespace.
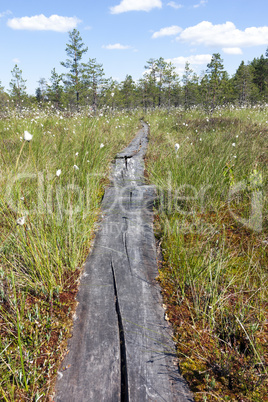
{"x":121,"y":348}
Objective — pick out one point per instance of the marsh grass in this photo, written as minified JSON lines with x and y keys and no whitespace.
{"x":211,"y":220}
{"x":47,"y":224}
{"x":214,"y":272}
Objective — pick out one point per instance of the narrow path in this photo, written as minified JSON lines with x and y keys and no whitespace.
{"x":121,"y":349}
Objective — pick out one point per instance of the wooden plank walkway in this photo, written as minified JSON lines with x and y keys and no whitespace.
{"x":121,"y":348}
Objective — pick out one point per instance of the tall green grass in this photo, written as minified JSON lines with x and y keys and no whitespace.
{"x":47,"y":224}
{"x":212,"y":221}
{"x":214,"y":271}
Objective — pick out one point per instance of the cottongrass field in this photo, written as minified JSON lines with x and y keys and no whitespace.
{"x":210,"y":171}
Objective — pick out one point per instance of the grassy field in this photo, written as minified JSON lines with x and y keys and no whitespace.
{"x":51,"y":189}
{"x":212,"y":222}
{"x":210,"y":218}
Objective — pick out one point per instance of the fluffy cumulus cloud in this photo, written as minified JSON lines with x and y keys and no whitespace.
{"x":232,"y":50}
{"x":116,"y":46}
{"x":135,"y":5}
{"x":43,"y":23}
{"x":168,"y":31}
{"x":226,"y":36}
{"x":198,"y":60}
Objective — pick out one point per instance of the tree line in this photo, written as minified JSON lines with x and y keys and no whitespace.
{"x":85,"y":84}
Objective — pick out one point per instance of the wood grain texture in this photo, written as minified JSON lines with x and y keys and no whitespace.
{"x":121,"y":348}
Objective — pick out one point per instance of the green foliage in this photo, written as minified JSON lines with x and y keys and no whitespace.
{"x":17,"y":85}
{"x":93,"y":82}
{"x":260,"y":75}
{"x":74,"y":50}
{"x":211,"y":220}
{"x":55,"y":89}
{"x":50,"y":193}
{"x":128,"y":93}
{"x":85,"y":84}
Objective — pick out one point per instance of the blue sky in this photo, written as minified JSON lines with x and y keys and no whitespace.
{"x":124,"y":34}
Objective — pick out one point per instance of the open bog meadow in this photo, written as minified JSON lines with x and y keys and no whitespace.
{"x":210,"y":221}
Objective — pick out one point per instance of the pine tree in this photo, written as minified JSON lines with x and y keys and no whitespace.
{"x":93,"y":80}
{"x":112,"y":93}
{"x":171,"y":81}
{"x":204,"y":91}
{"x":190,"y":88}
{"x":75,"y":50}
{"x":159,"y":76}
{"x":143,"y":92}
{"x":260,"y":76}
{"x":55,"y":89}
{"x":41,"y":91}
{"x":245,"y":89}
{"x":128,"y":91}
{"x":17,"y":85}
{"x":149,"y":86}
{"x":215,"y":72}
{"x":161,"y":72}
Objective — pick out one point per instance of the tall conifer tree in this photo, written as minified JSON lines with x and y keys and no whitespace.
{"x":75,"y":50}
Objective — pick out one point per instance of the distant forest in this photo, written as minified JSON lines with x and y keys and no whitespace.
{"x":85,"y":84}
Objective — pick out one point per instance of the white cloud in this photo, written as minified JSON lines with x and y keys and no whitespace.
{"x":175,"y":5}
{"x":116,"y":46}
{"x":232,"y":50}
{"x":194,"y":60}
{"x":201,"y":3}
{"x":4,"y":13}
{"x":168,"y":31}
{"x":197,"y":59}
{"x":135,"y":5}
{"x":224,"y":35}
{"x":43,"y":23}
{"x":16,"y":61}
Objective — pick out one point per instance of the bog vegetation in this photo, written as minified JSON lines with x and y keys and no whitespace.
{"x":207,"y":157}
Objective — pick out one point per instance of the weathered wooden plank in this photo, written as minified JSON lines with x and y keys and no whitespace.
{"x":122,"y":348}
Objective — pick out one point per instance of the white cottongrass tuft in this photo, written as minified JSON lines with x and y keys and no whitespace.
{"x":177,"y":147}
{"x":58,"y":172}
{"x":27,"y":136}
{"x":233,"y":144}
{"x":101,"y":145}
{"x":76,"y":167}
{"x":21,"y":221}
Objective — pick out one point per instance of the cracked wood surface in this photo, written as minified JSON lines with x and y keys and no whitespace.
{"x":121,"y":348}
